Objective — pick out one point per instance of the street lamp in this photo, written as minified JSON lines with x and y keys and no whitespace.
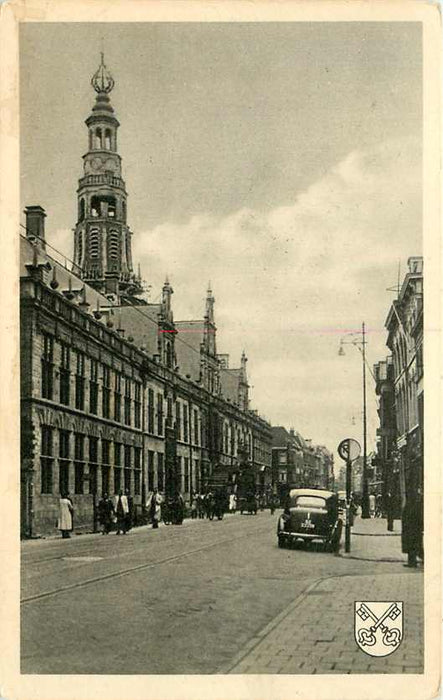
{"x":360,"y":343}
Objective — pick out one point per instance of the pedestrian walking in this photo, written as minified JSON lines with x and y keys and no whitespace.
{"x":179,"y":509}
{"x":200,"y":506}
{"x":121,"y":508}
{"x":106,"y":514}
{"x":372,"y":505}
{"x":389,"y":511}
{"x":154,"y":507}
{"x":209,"y":505}
{"x":378,"y":506}
{"x":412,"y":529}
{"x":232,"y":503}
{"x":194,"y":513}
{"x":65,"y":521}
{"x":130,"y":513}
{"x":272,"y":503}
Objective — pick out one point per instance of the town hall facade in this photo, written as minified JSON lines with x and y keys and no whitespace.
{"x":116,"y":394}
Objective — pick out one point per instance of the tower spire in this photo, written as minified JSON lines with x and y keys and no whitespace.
{"x":102,"y":80}
{"x":209,"y":316}
{"x":102,"y":247}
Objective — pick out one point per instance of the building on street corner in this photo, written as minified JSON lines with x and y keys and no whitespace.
{"x":116,"y":394}
{"x":405,"y":341}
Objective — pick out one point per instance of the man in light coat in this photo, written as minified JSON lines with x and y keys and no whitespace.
{"x":154,"y":506}
{"x":121,"y":508}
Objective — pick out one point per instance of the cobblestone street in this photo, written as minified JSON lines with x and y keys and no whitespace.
{"x":211,"y":597}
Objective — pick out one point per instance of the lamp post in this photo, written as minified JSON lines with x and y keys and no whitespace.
{"x":361,"y":345}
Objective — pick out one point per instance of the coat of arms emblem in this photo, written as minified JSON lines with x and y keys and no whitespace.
{"x":378,"y":626}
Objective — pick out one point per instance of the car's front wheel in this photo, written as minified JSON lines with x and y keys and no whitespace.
{"x":281,"y":542}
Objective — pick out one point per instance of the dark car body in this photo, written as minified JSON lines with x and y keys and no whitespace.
{"x":247,"y":503}
{"x":310,"y":514}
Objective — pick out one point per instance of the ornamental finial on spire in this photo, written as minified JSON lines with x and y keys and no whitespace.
{"x":102,"y":80}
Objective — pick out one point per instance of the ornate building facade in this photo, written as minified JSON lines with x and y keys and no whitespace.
{"x":115,"y":394}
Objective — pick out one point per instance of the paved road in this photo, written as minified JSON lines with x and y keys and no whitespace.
{"x":184,"y":599}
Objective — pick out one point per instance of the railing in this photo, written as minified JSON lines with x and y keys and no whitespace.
{"x":102,"y":179}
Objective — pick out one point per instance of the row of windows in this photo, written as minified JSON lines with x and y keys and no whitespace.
{"x":124,"y":479}
{"x":186,"y":419}
{"x":406,"y":407}
{"x":64,"y":447}
{"x":119,"y":407}
{"x":131,"y":462}
{"x":132,"y":389}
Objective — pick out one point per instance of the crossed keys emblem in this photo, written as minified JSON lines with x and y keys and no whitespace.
{"x":385,"y":634}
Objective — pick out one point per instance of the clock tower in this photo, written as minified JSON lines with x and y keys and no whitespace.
{"x":102,"y":245}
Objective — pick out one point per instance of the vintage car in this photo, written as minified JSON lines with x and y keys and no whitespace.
{"x":310,"y":514}
{"x":247,"y":503}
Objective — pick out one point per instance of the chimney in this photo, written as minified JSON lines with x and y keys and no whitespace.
{"x":415,"y":265}
{"x":35,"y":223}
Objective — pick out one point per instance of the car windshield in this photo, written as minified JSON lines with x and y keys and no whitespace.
{"x":310,"y":502}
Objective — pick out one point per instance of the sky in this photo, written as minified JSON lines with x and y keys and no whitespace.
{"x":282,"y":162}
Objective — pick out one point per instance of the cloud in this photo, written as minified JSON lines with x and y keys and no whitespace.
{"x":289,"y":281}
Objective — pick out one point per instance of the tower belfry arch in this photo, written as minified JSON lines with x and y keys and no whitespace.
{"x":102,"y":237}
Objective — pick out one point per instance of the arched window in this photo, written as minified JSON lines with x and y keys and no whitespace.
{"x":81,"y":210}
{"x":95,"y":206}
{"x":94,"y":243}
{"x":98,"y":138}
{"x":111,"y":208}
{"x":108,"y":139}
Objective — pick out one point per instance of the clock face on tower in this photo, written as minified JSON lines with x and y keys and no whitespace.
{"x":110,"y":165}
{"x":96,"y":163}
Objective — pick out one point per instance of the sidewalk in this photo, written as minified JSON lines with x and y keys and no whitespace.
{"x":315,"y":634}
{"x":371,"y":541}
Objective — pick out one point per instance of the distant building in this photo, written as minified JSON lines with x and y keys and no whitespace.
{"x":297,"y":463}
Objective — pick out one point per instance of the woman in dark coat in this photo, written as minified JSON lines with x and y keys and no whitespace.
{"x":106,"y":514}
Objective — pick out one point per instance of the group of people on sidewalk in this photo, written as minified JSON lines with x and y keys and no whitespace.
{"x":118,"y":512}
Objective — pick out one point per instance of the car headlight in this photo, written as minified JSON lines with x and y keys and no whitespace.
{"x":281,"y":524}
